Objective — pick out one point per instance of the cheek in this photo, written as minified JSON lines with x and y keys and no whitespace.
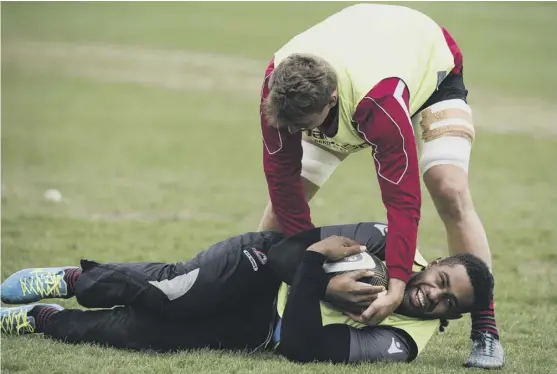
{"x":440,"y":310}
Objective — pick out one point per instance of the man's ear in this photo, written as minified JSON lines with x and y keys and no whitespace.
{"x":334,"y":99}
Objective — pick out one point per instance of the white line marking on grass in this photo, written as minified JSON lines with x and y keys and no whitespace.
{"x":212,"y":72}
{"x":176,"y":70}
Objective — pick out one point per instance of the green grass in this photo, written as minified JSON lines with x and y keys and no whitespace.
{"x":156,"y":174}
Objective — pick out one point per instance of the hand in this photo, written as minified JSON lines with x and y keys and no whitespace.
{"x":383,"y":306}
{"x":337,"y":247}
{"x":345,"y":293}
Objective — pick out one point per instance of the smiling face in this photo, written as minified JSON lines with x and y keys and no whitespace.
{"x":440,"y":291}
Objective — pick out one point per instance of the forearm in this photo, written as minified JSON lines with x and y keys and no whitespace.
{"x":402,"y":240}
{"x":269,"y":220}
{"x":303,"y":336}
{"x":384,"y":122}
{"x":289,"y":207}
{"x":282,"y":164}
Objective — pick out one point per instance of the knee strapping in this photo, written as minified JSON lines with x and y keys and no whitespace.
{"x":447,"y":134}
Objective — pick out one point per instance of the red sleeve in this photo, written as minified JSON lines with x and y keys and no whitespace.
{"x":383,"y":121}
{"x":282,"y":163}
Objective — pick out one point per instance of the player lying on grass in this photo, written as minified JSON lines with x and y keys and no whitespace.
{"x":361,"y":79}
{"x":230,"y":296}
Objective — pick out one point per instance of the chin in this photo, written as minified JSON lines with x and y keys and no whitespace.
{"x":406,"y":308}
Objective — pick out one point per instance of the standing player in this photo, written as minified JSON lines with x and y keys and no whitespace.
{"x":360,"y":79}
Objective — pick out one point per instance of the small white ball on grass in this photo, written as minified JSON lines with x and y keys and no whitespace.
{"x":53,"y":195}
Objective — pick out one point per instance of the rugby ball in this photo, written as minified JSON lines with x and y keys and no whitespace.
{"x":360,"y":261}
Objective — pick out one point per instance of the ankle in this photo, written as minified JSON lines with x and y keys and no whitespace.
{"x":42,"y":315}
{"x":71,"y":277}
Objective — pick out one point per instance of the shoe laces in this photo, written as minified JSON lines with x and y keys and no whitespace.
{"x":16,"y":321}
{"x":42,"y":283}
{"x":487,"y":342}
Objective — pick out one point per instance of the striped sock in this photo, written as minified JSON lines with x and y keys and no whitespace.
{"x":484,"y":321}
{"x":42,"y":315}
{"x":71,"y":276}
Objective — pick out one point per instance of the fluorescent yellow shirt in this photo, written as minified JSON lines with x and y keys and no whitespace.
{"x":421,"y":331}
{"x":366,"y":44}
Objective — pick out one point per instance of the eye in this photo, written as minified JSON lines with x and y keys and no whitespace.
{"x":442,"y":281}
{"x":449,"y":302}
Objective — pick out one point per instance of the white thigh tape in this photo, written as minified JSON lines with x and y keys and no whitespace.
{"x":447,"y":118}
{"x":447,"y":134}
{"x":446,"y":150}
{"x":317,"y":163}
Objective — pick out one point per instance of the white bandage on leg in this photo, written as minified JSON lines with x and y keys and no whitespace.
{"x":317,"y":163}
{"x":447,"y":134}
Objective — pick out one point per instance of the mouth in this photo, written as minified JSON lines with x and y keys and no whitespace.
{"x":419,"y":299}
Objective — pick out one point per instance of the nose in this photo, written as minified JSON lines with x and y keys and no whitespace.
{"x":435,"y":294}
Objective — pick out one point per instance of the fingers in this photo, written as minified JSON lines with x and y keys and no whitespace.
{"x":347,"y":242}
{"x":342,"y":251}
{"x":355,"y":317}
{"x":358,"y":274}
{"x":373,"y":315}
{"x":375,"y":320}
{"x":369,"y":312}
{"x":354,"y":249}
{"x":368,"y":290}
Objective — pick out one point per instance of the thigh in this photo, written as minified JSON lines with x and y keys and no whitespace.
{"x":286,"y":256}
{"x":227,"y":271}
{"x":119,"y":327}
{"x":371,"y":234}
{"x":446,"y":126}
{"x":318,"y":164}
{"x":132,"y":328}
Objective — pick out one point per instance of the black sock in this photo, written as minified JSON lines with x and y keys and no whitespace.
{"x":70,"y":277}
{"x":42,"y":314}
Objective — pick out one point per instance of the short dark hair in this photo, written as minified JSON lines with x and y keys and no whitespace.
{"x":480,"y":277}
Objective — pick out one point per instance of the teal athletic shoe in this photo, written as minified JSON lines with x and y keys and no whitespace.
{"x":34,"y":284}
{"x":17,"y":321}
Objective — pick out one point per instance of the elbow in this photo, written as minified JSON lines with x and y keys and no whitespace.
{"x":296,"y":355}
{"x":296,"y":350}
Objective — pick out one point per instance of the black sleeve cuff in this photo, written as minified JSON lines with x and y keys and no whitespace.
{"x":312,"y":271}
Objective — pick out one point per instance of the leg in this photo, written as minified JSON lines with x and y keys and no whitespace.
{"x":229,"y":272}
{"x":129,"y":328}
{"x":318,"y":163}
{"x":447,"y":134}
{"x":243,"y":326}
{"x":448,"y":187}
{"x":286,"y":256}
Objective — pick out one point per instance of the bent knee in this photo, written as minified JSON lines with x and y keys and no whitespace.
{"x":449,"y":191}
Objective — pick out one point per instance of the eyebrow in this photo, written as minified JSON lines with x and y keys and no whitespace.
{"x":447,"y":279}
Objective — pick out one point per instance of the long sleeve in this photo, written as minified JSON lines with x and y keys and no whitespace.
{"x":282,"y":164}
{"x":383,"y":121}
{"x":303,"y":337}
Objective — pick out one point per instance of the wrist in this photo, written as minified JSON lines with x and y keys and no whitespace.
{"x":312,"y":248}
{"x":396,"y":289}
{"x":315,"y":256}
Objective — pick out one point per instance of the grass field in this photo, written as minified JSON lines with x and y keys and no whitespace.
{"x":117,"y":105}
